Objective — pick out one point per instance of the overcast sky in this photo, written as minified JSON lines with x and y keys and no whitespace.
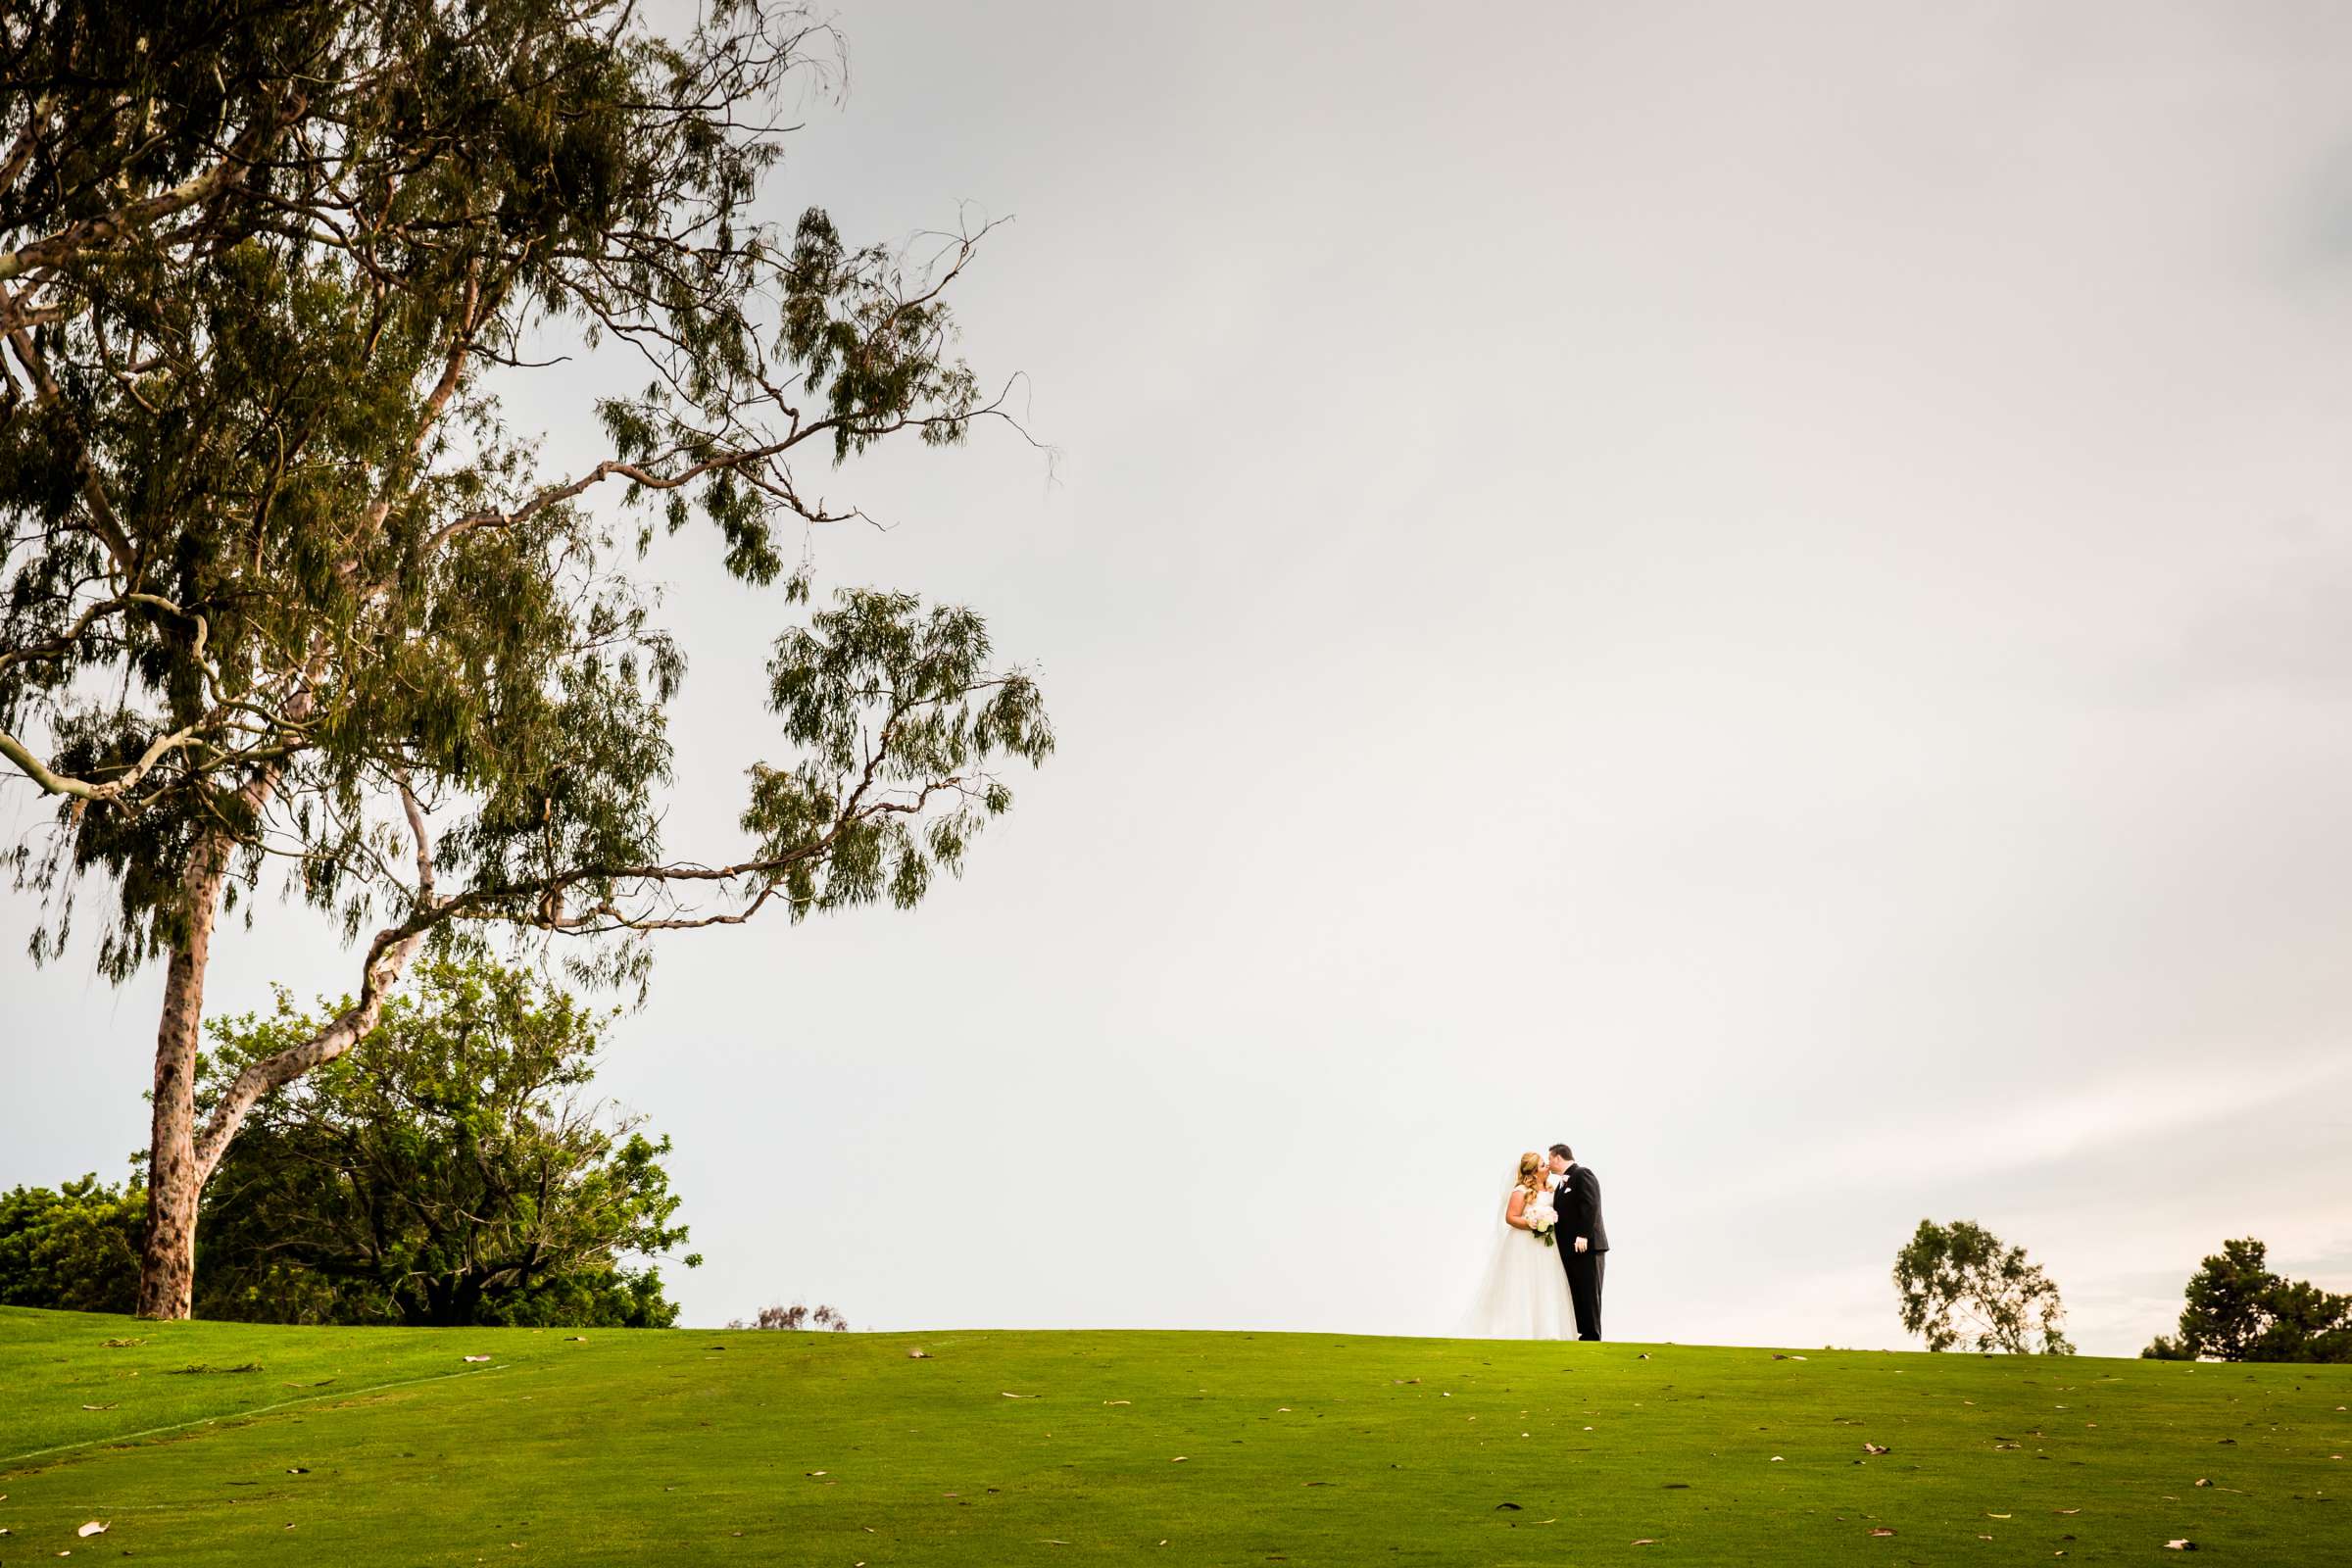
{"x":1763,"y":590}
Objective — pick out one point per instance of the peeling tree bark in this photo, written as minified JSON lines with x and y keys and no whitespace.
{"x":175,"y":1178}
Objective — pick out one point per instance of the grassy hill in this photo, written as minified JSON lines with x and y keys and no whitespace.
{"x":205,"y":1443}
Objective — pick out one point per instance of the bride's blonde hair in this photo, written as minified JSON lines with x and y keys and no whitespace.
{"x":1531,"y":1165}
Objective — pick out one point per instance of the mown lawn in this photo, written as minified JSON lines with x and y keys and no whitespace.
{"x":387,"y":1445}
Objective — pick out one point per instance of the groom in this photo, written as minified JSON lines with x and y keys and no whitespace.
{"x":1583,"y":1239}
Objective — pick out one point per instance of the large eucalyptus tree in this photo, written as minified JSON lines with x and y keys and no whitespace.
{"x":282,"y":588}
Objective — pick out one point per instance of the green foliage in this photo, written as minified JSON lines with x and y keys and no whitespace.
{"x":2238,"y":1310}
{"x":1962,"y":1288}
{"x":77,"y":1248}
{"x":881,"y":695}
{"x":446,"y":1170}
{"x":271,"y":552}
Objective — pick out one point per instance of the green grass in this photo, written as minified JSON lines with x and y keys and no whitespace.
{"x":384,"y":1446}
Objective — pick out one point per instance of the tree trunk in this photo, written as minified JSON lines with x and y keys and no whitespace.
{"x":181,"y":1159}
{"x":175,"y":1178}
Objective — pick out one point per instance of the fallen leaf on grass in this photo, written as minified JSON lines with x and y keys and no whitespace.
{"x":477,"y":1358}
{"x":97,"y":1407}
{"x":2202,"y":1482}
{"x":1512,"y":1506}
{"x":1875,"y":1447}
{"x":95,"y":1527}
{"x":1997,"y":1516}
{"x":1118,"y":1402}
{"x":2180,"y":1546}
{"x":814,"y":1472}
{"x":1179,"y":1459}
{"x":918,"y":1356}
{"x":1777,"y":1459}
{"x":1020,"y":1395}
{"x":2069,"y":1510}
{"x":1881,"y":1530}
{"x":1645,"y":1541}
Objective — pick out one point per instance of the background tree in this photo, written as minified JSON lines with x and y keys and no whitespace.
{"x":446,"y":1170}
{"x":1961,"y":1289}
{"x":2238,"y":1310}
{"x":795,"y":1317}
{"x":281,"y":589}
{"x":75,"y":1249}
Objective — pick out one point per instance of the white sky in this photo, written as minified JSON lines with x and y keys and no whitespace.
{"x":1761,"y":590}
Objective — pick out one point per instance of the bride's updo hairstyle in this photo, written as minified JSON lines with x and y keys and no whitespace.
{"x":1530,"y":1167}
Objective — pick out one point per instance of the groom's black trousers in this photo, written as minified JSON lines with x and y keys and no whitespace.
{"x":1584,"y":1271}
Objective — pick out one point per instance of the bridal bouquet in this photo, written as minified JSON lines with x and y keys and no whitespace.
{"x":1540,"y":1218}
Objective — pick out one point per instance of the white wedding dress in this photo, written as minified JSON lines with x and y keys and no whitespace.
{"x":1525,"y":1293}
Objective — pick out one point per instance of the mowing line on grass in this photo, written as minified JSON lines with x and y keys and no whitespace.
{"x":13,"y":1460}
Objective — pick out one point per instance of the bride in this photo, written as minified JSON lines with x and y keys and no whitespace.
{"x":1525,"y":1295}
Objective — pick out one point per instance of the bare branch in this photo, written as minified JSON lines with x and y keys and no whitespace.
{"x":387,"y":959}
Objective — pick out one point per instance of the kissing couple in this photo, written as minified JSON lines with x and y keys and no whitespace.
{"x":1543,"y":1280}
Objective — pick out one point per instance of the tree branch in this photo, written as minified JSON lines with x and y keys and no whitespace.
{"x":107,"y":228}
{"x":388,"y":958}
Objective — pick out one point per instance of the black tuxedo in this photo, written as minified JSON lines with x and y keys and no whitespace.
{"x":1578,"y":1201}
